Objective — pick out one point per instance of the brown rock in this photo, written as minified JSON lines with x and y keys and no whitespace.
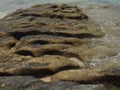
{"x":49,"y":39}
{"x":7,"y":42}
{"x":83,"y":75}
{"x":31,"y":83}
{"x":42,"y":66}
{"x":95,"y":75}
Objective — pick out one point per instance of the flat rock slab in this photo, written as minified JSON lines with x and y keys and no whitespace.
{"x":94,"y":75}
{"x":31,"y":83}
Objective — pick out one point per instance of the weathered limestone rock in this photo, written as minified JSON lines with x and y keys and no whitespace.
{"x":51,"y":41}
{"x":82,"y":75}
{"x":39,"y":67}
{"x":93,"y":75}
{"x":7,"y":42}
{"x":47,"y":39}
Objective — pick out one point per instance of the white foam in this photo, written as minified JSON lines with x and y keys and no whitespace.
{"x":3,"y":14}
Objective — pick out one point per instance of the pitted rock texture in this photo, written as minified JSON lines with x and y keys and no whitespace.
{"x":47,"y":30}
{"x":39,"y":67}
{"x":51,"y":41}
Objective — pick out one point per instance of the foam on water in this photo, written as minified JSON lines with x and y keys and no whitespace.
{"x":104,"y":60}
{"x":2,"y":14}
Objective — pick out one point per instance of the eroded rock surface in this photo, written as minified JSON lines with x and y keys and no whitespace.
{"x":96,"y":75}
{"x":51,"y":41}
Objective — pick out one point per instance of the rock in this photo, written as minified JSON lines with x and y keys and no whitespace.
{"x":38,"y":67}
{"x":37,"y":39}
{"x":82,"y":75}
{"x":31,"y":83}
{"x":47,"y":39}
{"x":60,"y":26}
{"x":52,"y":42}
{"x":7,"y":42}
{"x":112,"y":75}
{"x":50,"y":11}
{"x":94,"y":75}
{"x":41,"y":31}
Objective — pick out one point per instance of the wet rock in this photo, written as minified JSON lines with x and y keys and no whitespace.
{"x":53,"y":41}
{"x":112,"y":75}
{"x":31,"y":83}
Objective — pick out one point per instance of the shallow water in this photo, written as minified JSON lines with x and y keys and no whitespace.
{"x":109,"y":20}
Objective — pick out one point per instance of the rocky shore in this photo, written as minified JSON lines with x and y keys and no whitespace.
{"x":47,"y":47}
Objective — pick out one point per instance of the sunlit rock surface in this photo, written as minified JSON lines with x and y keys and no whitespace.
{"x":53,"y":41}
